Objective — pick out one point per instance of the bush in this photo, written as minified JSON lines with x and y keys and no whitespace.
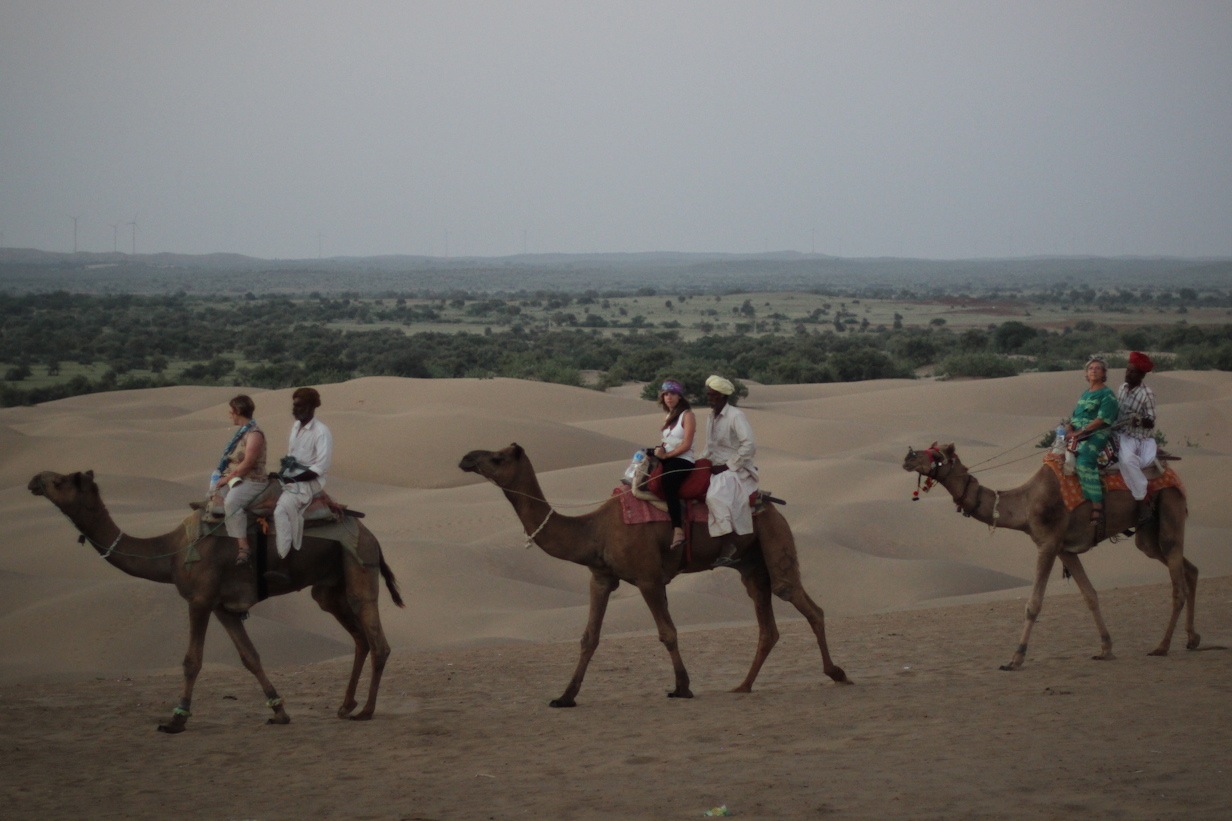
{"x":981,"y":365}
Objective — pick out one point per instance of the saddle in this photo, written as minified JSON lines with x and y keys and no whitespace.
{"x":647,"y":485}
{"x":322,"y":510}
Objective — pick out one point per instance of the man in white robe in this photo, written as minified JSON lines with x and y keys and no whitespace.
{"x":730,"y":447}
{"x":309,"y":453}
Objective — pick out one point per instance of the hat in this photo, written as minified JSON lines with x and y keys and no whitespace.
{"x":1140,"y":361}
{"x":721,"y":385}
{"x":671,"y":386}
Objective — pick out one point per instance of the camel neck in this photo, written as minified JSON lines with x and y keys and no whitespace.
{"x":991,"y":507}
{"x":143,"y":558}
{"x":553,"y":533}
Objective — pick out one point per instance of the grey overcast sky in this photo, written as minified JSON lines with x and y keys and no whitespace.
{"x":848,"y":127}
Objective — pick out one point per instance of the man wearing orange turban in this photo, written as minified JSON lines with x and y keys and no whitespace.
{"x":1136,"y":429}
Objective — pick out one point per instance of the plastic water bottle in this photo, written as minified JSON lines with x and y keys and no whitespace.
{"x":1058,"y":444}
{"x":631,"y":470}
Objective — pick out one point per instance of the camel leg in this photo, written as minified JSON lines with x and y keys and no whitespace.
{"x":1043,"y":566}
{"x":252,"y":662}
{"x":601,"y":587}
{"x":1191,"y":588}
{"x":1074,"y":565}
{"x":757,"y":583}
{"x":817,"y":620}
{"x":333,"y":601}
{"x":655,"y":595}
{"x":370,"y":623}
{"x":198,"y":621}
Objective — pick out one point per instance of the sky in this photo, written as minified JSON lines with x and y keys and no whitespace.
{"x":854,"y":128}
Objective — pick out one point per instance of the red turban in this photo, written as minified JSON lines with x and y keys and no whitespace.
{"x":1141,"y":361}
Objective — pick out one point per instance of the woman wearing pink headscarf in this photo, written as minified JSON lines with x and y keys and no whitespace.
{"x":1136,"y":446}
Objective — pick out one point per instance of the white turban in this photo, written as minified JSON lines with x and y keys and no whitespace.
{"x":723,"y":386}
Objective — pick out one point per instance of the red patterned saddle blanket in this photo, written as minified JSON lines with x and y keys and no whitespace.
{"x":1071,"y":490}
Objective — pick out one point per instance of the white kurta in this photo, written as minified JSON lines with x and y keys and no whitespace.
{"x":312,"y":445}
{"x":729,"y":441}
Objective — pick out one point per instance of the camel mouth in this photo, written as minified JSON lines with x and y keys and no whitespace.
{"x":36,"y":486}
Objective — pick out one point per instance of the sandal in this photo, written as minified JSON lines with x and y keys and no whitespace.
{"x":243,"y":556}
{"x":677,"y":542}
{"x":1097,"y":513}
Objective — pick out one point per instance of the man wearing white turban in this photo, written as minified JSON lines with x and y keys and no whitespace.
{"x":730,"y":447}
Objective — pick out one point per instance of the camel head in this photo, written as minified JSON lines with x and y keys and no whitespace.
{"x":73,"y":493}
{"x":500,"y":467}
{"x":928,"y":462}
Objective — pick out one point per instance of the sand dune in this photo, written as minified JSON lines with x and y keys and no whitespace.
{"x":474,"y":592}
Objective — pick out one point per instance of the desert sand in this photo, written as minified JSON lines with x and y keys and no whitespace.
{"x":922,"y":606}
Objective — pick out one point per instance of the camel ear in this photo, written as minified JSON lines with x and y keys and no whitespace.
{"x":948,"y":450}
{"x":516,"y":450}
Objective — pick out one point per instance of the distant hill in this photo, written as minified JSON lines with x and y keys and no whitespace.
{"x":28,"y":270}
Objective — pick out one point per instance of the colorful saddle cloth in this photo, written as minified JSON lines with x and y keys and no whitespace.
{"x":1071,"y":491}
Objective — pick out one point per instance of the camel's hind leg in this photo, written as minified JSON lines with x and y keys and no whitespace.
{"x":1043,"y":566}
{"x":601,"y":587}
{"x":252,"y":662}
{"x":1170,"y":542}
{"x":655,"y":595}
{"x":1075,"y":568}
{"x":198,"y":622}
{"x":778,"y":548}
{"x":361,"y":618}
{"x":757,"y":583}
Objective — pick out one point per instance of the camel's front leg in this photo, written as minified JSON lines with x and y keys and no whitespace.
{"x":655,"y":595}
{"x":1182,"y":593}
{"x":370,"y":623}
{"x":333,"y":600}
{"x":1074,"y":565}
{"x":1191,"y":598}
{"x":252,"y":663}
{"x":601,"y":587}
{"x":198,"y":621}
{"x":1043,"y":566}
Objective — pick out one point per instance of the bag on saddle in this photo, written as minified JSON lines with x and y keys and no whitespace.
{"x":647,"y":480}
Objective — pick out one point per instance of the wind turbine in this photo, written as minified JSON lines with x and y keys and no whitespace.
{"x":74,"y":219}
{"x":134,"y":225}
{"x":115,"y":236}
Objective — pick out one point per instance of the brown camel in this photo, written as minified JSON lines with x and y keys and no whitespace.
{"x":342,"y":586}
{"x":1037,"y":509}
{"x":639,"y":554}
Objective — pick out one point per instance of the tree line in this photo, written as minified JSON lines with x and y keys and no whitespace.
{"x":59,"y":344}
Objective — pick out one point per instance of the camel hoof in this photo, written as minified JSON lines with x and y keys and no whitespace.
{"x":1193,"y":643}
{"x":560,"y":702}
{"x":1158,"y":651}
{"x":176,"y":726}
{"x":360,"y":717}
{"x":743,"y":688}
{"x":680,"y":694}
{"x":282,"y":719}
{"x":839,"y":676}
{"x":1009,"y":668}
{"x":1103,"y":657}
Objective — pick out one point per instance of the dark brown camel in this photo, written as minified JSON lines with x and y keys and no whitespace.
{"x":1037,"y":509}
{"x":638,"y":554}
{"x":342,"y":586}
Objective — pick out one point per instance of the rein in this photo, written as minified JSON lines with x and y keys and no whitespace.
{"x":926,"y":481}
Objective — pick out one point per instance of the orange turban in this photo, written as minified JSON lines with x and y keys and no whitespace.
{"x":1141,"y":361}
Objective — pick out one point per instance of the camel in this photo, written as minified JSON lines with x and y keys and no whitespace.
{"x":1037,"y":509}
{"x":638,"y":554}
{"x":341,"y":585}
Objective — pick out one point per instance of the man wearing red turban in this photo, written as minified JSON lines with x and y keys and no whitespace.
{"x":1136,"y":429}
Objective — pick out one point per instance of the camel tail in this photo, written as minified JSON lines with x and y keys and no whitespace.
{"x":391,"y":583}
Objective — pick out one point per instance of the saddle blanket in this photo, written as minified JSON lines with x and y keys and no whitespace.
{"x":636,"y":511}
{"x":1071,"y":490}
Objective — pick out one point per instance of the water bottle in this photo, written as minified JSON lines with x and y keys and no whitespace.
{"x":1058,"y":444}
{"x":631,"y":470}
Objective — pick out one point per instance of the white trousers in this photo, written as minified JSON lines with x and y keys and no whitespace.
{"x":289,"y":514}
{"x":1132,"y":456}
{"x":234,"y":500}
{"x":727,"y":502}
